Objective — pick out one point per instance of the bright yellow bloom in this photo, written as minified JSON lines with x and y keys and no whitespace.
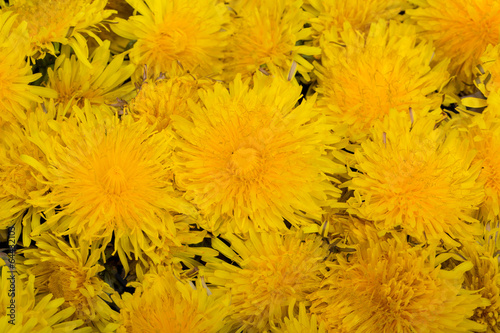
{"x":484,"y":276}
{"x":388,"y":286}
{"x":18,"y":180}
{"x":33,"y":314}
{"x":59,"y":21}
{"x":109,"y":178}
{"x":484,"y":134}
{"x":250,"y":158}
{"x":103,"y":83}
{"x":192,"y":33}
{"x":162,"y":304}
{"x":158,"y":100}
{"x":460,"y":30}
{"x":16,"y":95}
{"x":274,"y":271}
{"x":70,"y":271}
{"x":363,"y":78}
{"x":268,"y":34}
{"x":417,"y":177}
{"x":330,"y":15}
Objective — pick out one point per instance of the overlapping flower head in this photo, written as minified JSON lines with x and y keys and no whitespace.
{"x":361,"y":78}
{"x":158,"y":99}
{"x":67,"y":22}
{"x":387,"y":285}
{"x":161,"y":303}
{"x":460,"y":31}
{"x":69,"y":270}
{"x":484,"y":276}
{"x":33,"y":314}
{"x":273,"y":272}
{"x":330,"y":15}
{"x":16,"y":94}
{"x":418,"y":177}
{"x":102,"y":84}
{"x":249,"y":157}
{"x":268,"y":35}
{"x":191,"y":33}
{"x":116,"y":182}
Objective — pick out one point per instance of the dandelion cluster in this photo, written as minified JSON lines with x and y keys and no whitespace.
{"x":249,"y":166}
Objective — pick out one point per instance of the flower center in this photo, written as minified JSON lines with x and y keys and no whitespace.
{"x":244,"y":162}
{"x":115,"y":181}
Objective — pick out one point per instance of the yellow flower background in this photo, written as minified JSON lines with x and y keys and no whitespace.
{"x":249,"y":166}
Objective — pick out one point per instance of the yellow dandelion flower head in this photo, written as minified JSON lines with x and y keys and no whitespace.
{"x":330,"y":15}
{"x":19,"y":182}
{"x":163,"y":304}
{"x":157,"y":100}
{"x":16,"y":95}
{"x":103,"y":83}
{"x":274,"y":271}
{"x":485,"y":138}
{"x":417,"y":177}
{"x":460,"y":31}
{"x":363,"y":78}
{"x":59,"y":21}
{"x":70,"y":271}
{"x":28,"y":313}
{"x":192,"y":33}
{"x":484,"y":276}
{"x":249,"y":157}
{"x":269,"y":34}
{"x":388,"y":286}
{"x":303,"y":323}
{"x":109,"y":178}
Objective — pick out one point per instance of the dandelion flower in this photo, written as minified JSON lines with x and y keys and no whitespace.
{"x":16,"y":95}
{"x":109,"y":178}
{"x":419,"y":178}
{"x":330,"y":15}
{"x":460,"y":30}
{"x":269,"y":34}
{"x":362,"y":79}
{"x":250,"y":158}
{"x":70,"y":271}
{"x":273,"y":272}
{"x":484,"y":133}
{"x":158,"y":100}
{"x":59,"y":21}
{"x":484,"y":276}
{"x":160,"y":304}
{"x":103,"y":83}
{"x":33,"y":314}
{"x":192,"y":33}
{"x":388,"y":286}
{"x":18,"y":181}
